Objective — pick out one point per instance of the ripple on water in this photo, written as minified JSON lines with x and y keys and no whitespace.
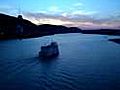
{"x":88,"y":70}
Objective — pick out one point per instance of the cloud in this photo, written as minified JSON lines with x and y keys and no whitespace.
{"x":74,"y":9}
{"x":71,"y":16}
{"x":38,"y":18}
{"x":78,"y":4}
{"x":54,"y":9}
{"x":82,"y":21}
{"x":81,"y":12}
{"x":6,"y":9}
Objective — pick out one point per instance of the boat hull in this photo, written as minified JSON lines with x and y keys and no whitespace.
{"x":49,"y":51}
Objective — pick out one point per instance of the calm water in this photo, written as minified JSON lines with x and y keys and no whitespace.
{"x":86,"y":62}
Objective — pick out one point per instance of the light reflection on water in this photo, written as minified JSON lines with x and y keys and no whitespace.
{"x":86,"y":62}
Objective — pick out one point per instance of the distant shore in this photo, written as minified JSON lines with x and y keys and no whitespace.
{"x":117,"y":40}
{"x":8,"y":29}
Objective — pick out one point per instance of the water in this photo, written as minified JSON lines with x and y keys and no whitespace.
{"x":86,"y":62}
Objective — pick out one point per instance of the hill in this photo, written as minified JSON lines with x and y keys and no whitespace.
{"x":9,"y":29}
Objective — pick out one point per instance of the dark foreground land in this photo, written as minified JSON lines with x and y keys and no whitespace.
{"x":117,"y":40}
{"x":8,"y":29}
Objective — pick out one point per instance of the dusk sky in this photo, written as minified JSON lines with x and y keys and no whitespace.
{"x":81,"y":13}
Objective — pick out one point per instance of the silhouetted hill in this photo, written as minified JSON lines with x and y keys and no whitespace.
{"x":56,"y":29}
{"x":8,"y":29}
{"x":8,"y":26}
{"x":102,"y":31}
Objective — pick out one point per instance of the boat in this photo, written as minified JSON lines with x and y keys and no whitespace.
{"x":49,"y":51}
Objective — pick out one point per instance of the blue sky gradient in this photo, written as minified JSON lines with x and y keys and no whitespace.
{"x":86,"y":13}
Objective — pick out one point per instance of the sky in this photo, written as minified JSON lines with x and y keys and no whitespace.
{"x":86,"y":14}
